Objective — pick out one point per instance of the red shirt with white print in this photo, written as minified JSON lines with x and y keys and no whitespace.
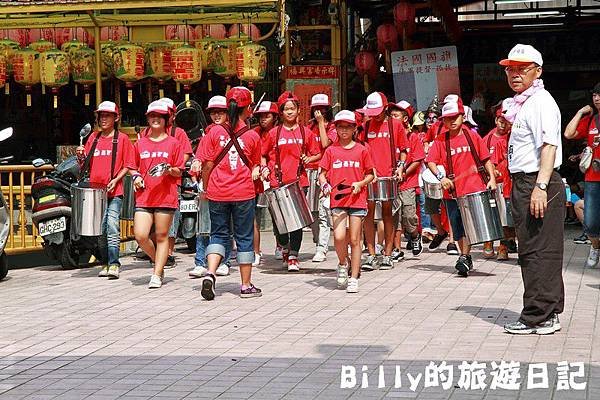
{"x":415,"y":152}
{"x":158,"y":191}
{"x":347,"y":166}
{"x":180,"y":135}
{"x":467,"y":179}
{"x":290,"y":146}
{"x":231,"y":179}
{"x":498,"y":147}
{"x":102,"y":159}
{"x":331,"y":134}
{"x":378,"y":138}
{"x":587,"y":129}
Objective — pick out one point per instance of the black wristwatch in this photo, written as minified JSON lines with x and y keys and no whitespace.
{"x":542,"y":186}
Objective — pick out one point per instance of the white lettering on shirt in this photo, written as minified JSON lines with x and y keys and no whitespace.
{"x":337,"y":164}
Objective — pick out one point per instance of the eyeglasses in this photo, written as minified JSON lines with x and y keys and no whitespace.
{"x":432,"y":118}
{"x":519,"y":70}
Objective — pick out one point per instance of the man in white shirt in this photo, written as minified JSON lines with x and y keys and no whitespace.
{"x":538,"y":194}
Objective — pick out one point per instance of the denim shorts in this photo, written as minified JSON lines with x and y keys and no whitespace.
{"x":591,"y":209}
{"x":154,"y":210}
{"x":352,"y":212}
{"x":222,"y":215}
{"x":432,"y":206}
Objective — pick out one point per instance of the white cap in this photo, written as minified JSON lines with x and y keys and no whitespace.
{"x":345,"y":116}
{"x":469,"y":116}
{"x":158,"y":106}
{"x":108,"y":106}
{"x":451,"y":98}
{"x":267,"y":107}
{"x":452,"y":109}
{"x":170,"y":103}
{"x":523,"y":53}
{"x":376,"y":104}
{"x":319,"y":99}
{"x":217,"y":102}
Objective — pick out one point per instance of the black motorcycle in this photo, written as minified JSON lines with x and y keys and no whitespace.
{"x":188,"y":208}
{"x":4,"y":214}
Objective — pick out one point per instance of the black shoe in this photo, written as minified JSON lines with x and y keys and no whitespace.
{"x":170,"y":262}
{"x":417,"y":246}
{"x":512,"y":246}
{"x":208,"y":287}
{"x":397,"y":255}
{"x":583,"y":239}
{"x":437,"y":240}
{"x":452,"y":250}
{"x":462,"y":266}
{"x":409,"y":244}
{"x":142,"y":256}
{"x":469,"y":261}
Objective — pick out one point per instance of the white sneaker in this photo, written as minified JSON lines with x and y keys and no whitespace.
{"x":593,"y":258}
{"x":278,"y":253}
{"x":198,"y":272}
{"x":352,"y":286}
{"x":103,"y":273}
{"x":257,"y":257}
{"x":342,"y":276}
{"x":223,"y":270}
{"x":319,"y":256}
{"x":293,"y":265}
{"x":378,"y":249}
{"x":155,"y":282}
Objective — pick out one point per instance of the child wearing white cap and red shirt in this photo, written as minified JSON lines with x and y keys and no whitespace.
{"x":346,"y":170}
{"x":461,"y":152}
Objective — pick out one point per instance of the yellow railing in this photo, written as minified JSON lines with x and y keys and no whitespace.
{"x":16,"y":187}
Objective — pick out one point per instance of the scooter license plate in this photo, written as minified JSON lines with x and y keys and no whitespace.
{"x":52,"y":226}
{"x":188,"y":206}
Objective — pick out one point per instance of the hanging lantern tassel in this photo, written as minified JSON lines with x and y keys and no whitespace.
{"x":28,"y":97}
{"x":161,"y":93}
{"x":76,"y":94}
{"x":55,"y":101}
{"x":7,"y":89}
{"x":186,"y":90}
{"x":209,"y":85}
{"x":228,"y":84}
{"x":177,"y":87}
{"x":43,"y":89}
{"x":86,"y":89}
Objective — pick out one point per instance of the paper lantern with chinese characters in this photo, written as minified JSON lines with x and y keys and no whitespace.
{"x":158,"y":63}
{"x":42,"y":45}
{"x":7,"y":49}
{"x":404,"y":17}
{"x":114,"y":33}
{"x":250,"y":31}
{"x":26,"y":69}
{"x":71,"y":46}
{"x":129,"y":66}
{"x":205,"y":47}
{"x":366,"y":66}
{"x":83,"y":69}
{"x":186,"y":67}
{"x":251,"y":62}
{"x":3,"y":68}
{"x":107,"y":66}
{"x":224,"y":58}
{"x":54,"y":71}
{"x":215,"y":31}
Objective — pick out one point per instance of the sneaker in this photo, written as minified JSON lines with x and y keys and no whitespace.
{"x":582,"y":239}
{"x":378,"y":249}
{"x":386,"y":263}
{"x":370,"y":263}
{"x":512,"y":246}
{"x":319,"y":256}
{"x":502,"y":252}
{"x":208,"y":287}
{"x":113,"y":271}
{"x":452,"y":250}
{"x":103,"y":273}
{"x":170,"y":262}
{"x":342,"y":276}
{"x":279,"y":253}
{"x":488,"y":250}
{"x":257,"y":257}
{"x":397,"y":255}
{"x":250,"y":291}
{"x":155,"y":282}
{"x":593,"y":258}
{"x":556,"y":322}
{"x":417,"y":246}
{"x":222,"y":270}
{"x":462,"y":266}
{"x":427,"y":237}
{"x":437,"y":240}
{"x":352,"y":286}
{"x":545,"y":328}
{"x":293,"y":265}
{"x":142,"y":256}
{"x":198,"y":272}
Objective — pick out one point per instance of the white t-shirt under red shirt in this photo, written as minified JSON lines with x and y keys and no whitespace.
{"x":347,"y":166}
{"x":160,"y":191}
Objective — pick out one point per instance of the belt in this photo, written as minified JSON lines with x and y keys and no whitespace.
{"x":523,"y":174}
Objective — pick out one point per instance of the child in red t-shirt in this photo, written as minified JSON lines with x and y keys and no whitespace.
{"x":467,"y":179}
{"x":346,"y":170}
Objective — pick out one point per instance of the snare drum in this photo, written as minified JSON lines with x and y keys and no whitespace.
{"x":384,"y":189}
{"x":431,"y":184}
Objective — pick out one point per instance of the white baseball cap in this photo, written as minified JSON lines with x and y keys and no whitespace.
{"x":345,"y":116}
{"x":452,"y":109}
{"x":267,"y":107}
{"x":108,"y":106}
{"x":469,"y":116}
{"x":451,"y":98}
{"x":376,"y":103}
{"x":159,"y":107}
{"x":170,"y":103}
{"x":319,"y":99}
{"x":217,"y":102}
{"x":523,"y":53}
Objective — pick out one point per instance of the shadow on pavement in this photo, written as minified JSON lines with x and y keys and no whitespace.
{"x":496,"y":316}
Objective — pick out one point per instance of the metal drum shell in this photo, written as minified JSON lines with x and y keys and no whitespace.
{"x":384,"y":189}
{"x":314,"y":190}
{"x":262,"y":201}
{"x":88,"y":202}
{"x":432,"y":187}
{"x":289,"y":207}
{"x":505,"y":214}
{"x":480,"y":217}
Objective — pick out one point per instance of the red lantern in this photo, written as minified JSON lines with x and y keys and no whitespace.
{"x":64,"y":35}
{"x":41,"y":34}
{"x":181,"y":32}
{"x":365,"y":64}
{"x":114,"y":33}
{"x":387,"y":38}
{"x":404,"y":17}
{"x":20,"y":36}
{"x":215,"y":31}
{"x":251,"y":31}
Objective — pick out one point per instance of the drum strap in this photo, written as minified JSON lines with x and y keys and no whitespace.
{"x":278,"y":172}
{"x":392,"y":141}
{"x":113,"y":160}
{"x":233,"y":141}
{"x":87,"y":164}
{"x":480,"y":168}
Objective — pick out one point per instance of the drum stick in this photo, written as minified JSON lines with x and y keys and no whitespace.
{"x":258,"y":102}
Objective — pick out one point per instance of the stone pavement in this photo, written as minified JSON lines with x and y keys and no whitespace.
{"x":72,"y":335}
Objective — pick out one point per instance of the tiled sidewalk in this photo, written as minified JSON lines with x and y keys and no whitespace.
{"x":72,"y":335}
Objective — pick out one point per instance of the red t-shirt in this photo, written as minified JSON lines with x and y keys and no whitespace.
{"x":102,"y":159}
{"x":434,"y":130}
{"x":416,"y":152}
{"x":498,"y":147}
{"x":264,"y":151}
{"x":160,"y":191}
{"x":467,"y":179}
{"x":378,"y":138}
{"x":290,"y":145}
{"x":231,"y":179}
{"x":347,"y":166}
{"x":331,"y":134}
{"x":587,"y":129}
{"x":180,"y":135}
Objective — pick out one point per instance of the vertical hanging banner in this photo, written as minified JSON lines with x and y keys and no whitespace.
{"x":308,"y":80}
{"x":421,"y":74}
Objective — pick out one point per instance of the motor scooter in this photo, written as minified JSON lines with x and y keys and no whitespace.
{"x":4,"y":214}
{"x":188,"y":208}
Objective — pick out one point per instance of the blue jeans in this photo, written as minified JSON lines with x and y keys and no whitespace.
{"x":110,"y":240}
{"x":591,"y":209}
{"x":458,"y":229}
{"x":201,"y":244}
{"x":241,"y":213}
{"x":425,"y":218}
